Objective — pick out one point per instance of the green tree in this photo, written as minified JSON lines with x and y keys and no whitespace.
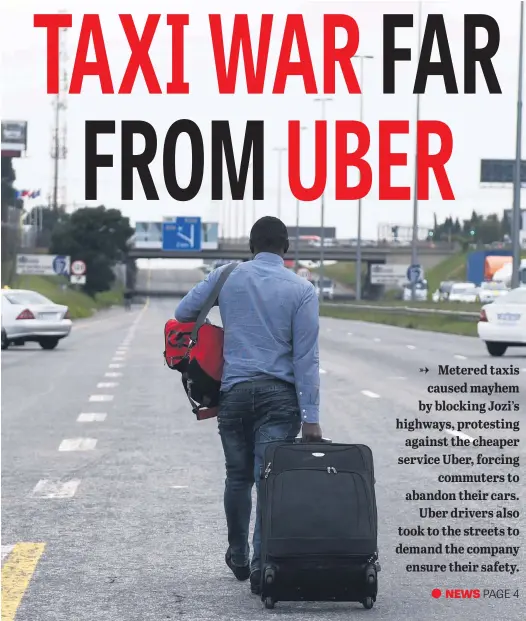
{"x":97,"y":236}
{"x":9,"y":198}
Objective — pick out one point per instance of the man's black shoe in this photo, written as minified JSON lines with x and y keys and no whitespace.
{"x":241,"y":573}
{"x":255,"y":582}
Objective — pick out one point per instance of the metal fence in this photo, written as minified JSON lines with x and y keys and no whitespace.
{"x":408,"y":310}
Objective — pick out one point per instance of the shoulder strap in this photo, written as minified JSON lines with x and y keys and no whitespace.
{"x":212,"y":299}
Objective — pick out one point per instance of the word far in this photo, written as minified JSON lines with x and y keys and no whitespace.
{"x":253,"y":147}
{"x":254,"y":50}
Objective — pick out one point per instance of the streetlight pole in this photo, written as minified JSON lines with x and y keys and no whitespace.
{"x":323,"y":101}
{"x":414,"y":242}
{"x":358,"y":292}
{"x":280,"y":151}
{"x":297,"y":240}
{"x":517,"y":224}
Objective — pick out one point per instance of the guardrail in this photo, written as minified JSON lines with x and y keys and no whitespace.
{"x":408,"y":310}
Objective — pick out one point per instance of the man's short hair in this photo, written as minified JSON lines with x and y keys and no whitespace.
{"x":269,"y":234}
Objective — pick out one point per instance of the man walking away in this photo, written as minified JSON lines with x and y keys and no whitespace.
{"x":270,"y":384}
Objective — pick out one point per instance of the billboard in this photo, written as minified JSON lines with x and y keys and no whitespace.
{"x":43,"y":264}
{"x":500,"y":172}
{"x":14,"y":138}
{"x":311,"y":231}
{"x":388,"y":274}
{"x":508,"y":214}
{"x":149,"y":235}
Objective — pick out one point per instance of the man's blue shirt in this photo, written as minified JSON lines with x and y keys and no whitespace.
{"x":271,"y":321}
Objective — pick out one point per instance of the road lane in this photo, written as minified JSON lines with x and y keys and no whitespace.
{"x":143,"y":536}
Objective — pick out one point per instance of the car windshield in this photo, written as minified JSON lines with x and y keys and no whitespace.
{"x":517,"y":296}
{"x":27,"y":297}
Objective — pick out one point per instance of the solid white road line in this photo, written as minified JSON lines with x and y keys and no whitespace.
{"x":47,"y":488}
{"x":370,"y":394}
{"x":6,"y":551}
{"x":107,"y":384}
{"x":459,"y":357}
{"x":78,"y":444}
{"x":91,"y":417}
{"x":459,"y":434}
{"x":114,"y":365}
{"x":112,"y":374}
{"x":410,"y":347}
{"x":101,"y":398}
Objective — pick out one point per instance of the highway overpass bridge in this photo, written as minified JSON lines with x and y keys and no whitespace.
{"x":428,"y":256}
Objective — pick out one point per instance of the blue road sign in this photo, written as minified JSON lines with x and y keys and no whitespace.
{"x":415,"y":273}
{"x":183,"y":234}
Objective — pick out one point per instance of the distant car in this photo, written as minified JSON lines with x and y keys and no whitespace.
{"x":489,"y":291}
{"x":443,"y":291}
{"x":421,"y":292}
{"x":28,"y":316}
{"x":502,"y":323}
{"x":463,"y":292}
{"x":328,"y":288}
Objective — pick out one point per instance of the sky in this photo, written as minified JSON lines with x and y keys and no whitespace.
{"x":483,"y":125}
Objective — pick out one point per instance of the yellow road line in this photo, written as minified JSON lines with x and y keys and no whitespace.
{"x":16,"y":575}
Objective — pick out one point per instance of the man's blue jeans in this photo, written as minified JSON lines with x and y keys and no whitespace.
{"x":251,"y":415}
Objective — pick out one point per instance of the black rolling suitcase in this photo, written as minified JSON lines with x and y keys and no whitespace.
{"x":319,"y":524}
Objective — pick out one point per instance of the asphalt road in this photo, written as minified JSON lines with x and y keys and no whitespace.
{"x":140,"y":533}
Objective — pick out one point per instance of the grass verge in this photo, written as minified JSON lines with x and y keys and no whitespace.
{"x":430,"y":323}
{"x":59,"y":291}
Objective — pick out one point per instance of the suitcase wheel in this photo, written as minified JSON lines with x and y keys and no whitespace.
{"x":270,"y":575}
{"x":269,"y":602}
{"x":368,"y":603}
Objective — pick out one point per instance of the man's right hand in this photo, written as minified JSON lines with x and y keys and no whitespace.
{"x":311,"y":432}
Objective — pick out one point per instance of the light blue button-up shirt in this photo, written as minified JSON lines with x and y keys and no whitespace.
{"x":271,"y":321}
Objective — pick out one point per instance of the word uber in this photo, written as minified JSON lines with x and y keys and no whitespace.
{"x":293,"y":36}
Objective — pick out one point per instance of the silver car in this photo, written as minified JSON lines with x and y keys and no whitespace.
{"x":28,"y":316}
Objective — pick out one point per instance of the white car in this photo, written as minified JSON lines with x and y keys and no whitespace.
{"x":421,"y":292}
{"x":28,"y":316}
{"x":489,"y":291}
{"x":502,"y":323}
{"x":463,"y":292}
{"x":328,"y":288}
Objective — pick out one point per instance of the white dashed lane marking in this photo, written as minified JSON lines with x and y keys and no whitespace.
{"x":101,"y":398}
{"x":78,"y":444}
{"x":397,"y":378}
{"x":118,"y":359}
{"x":47,"y":488}
{"x":459,"y":357}
{"x":115,"y":366}
{"x":112,"y":374}
{"x":322,"y":371}
{"x":371,"y":395}
{"x":179,"y":486}
{"x":349,"y":333}
{"x":410,"y":347}
{"x":91,"y":417}
{"x":107,"y":384}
